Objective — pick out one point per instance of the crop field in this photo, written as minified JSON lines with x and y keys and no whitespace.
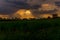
{"x":36,"y":29}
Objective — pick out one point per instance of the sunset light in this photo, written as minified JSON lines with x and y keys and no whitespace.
{"x":29,"y":19}
{"x":23,"y":13}
{"x":46,"y":16}
{"x":4,"y":16}
{"x":28,"y":12}
{"x":48,"y":7}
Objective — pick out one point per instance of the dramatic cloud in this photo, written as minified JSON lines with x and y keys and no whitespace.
{"x":8,"y":7}
{"x":11,"y":6}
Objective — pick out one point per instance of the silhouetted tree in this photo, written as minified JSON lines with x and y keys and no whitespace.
{"x":49,"y":17}
{"x":55,"y":15}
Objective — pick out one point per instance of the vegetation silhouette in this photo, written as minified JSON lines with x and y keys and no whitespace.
{"x":39,"y":29}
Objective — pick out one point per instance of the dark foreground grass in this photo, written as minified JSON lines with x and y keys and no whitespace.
{"x":43,"y":29}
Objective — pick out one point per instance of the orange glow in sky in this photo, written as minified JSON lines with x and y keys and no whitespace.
{"x":4,"y":16}
{"x":48,"y":7}
{"x":46,"y":15}
{"x":23,"y":13}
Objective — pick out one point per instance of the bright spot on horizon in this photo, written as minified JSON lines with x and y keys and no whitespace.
{"x":28,"y":12}
{"x":23,"y":13}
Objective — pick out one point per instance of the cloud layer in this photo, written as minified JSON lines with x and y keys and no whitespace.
{"x":8,"y":7}
{"x":11,"y":6}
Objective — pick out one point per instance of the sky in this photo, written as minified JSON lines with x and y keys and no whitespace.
{"x":8,"y":6}
{"x":11,"y":6}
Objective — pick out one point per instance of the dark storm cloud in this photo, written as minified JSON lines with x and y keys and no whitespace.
{"x":57,"y":3}
{"x":8,"y":7}
{"x":11,"y":6}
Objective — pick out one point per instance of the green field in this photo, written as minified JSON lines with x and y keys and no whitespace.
{"x":41,"y":29}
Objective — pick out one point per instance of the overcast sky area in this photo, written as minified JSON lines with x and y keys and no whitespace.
{"x":11,"y":6}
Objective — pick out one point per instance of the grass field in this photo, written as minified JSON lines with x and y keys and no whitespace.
{"x":41,"y":29}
